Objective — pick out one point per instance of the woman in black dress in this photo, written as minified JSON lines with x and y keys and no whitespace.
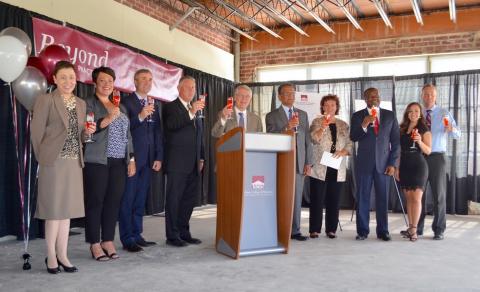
{"x":413,"y":170}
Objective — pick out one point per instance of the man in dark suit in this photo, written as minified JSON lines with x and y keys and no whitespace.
{"x":147,"y":139}
{"x":238,"y":116}
{"x":280,"y":120}
{"x":184,"y":158}
{"x":377,"y":133}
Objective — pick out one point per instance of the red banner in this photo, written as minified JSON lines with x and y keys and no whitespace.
{"x":88,"y":52}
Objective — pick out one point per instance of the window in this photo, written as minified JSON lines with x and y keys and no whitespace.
{"x":337,"y":70}
{"x":282,"y":74}
{"x":397,"y":67}
{"x":457,"y":62}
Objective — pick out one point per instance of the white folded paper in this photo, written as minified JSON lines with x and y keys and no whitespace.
{"x":330,"y":161}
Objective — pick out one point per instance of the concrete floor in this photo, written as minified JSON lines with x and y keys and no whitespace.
{"x":323,"y":264}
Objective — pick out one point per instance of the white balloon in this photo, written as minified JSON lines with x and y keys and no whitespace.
{"x":20,"y":35}
{"x":13,"y":58}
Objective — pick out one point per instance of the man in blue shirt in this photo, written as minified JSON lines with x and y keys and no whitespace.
{"x":437,"y":174}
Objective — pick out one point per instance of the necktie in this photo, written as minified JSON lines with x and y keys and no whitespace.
{"x":241,"y":120}
{"x":376,"y":127}
{"x":429,"y":119}
{"x":143,"y":102}
{"x":290,"y":112}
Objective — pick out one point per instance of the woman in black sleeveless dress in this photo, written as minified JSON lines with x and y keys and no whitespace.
{"x":413,"y":170}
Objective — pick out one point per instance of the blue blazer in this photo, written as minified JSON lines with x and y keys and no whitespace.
{"x":376,"y":151}
{"x":147,"y":136}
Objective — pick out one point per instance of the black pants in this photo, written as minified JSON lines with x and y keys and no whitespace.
{"x":437,"y":176}
{"x":328,"y":191}
{"x":182,"y":193}
{"x":103,"y":186}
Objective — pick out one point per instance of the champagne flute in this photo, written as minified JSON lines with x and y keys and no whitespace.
{"x":295,"y":116}
{"x":445,"y":120}
{"x":374,"y":114}
{"x":116,"y":98}
{"x":201,"y":98}
{"x":412,"y":136}
{"x":230,"y":106}
{"x":89,"y":122}
{"x":150,"y":101}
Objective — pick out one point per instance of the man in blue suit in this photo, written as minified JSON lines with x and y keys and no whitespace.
{"x":377,"y":133}
{"x":148,"y":146}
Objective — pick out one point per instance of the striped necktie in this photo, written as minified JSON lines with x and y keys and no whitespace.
{"x":241,"y":120}
{"x":428,"y":118}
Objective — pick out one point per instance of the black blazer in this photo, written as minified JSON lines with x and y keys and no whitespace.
{"x":147,"y":136}
{"x":184,"y":145}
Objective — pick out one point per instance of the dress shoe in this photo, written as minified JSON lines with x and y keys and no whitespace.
{"x":144,"y":243}
{"x":176,"y":242}
{"x":71,"y":269}
{"x":404,"y":233}
{"x":438,"y":236}
{"x":132,"y":247}
{"x":299,"y":237}
{"x":360,"y":237}
{"x":191,"y":240}
{"x":331,"y":235}
{"x":384,"y":237}
{"x":52,"y":270}
{"x":313,"y":234}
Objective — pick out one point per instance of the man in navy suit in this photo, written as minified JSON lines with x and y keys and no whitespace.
{"x":377,"y":133}
{"x":184,"y":159}
{"x":148,"y":146}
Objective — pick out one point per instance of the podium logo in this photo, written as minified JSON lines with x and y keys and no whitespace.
{"x":304,"y":97}
{"x":258,"y":182}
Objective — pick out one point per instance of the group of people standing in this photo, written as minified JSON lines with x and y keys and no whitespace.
{"x":412,"y":152}
{"x":120,"y":142}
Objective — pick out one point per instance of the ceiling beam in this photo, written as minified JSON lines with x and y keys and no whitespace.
{"x":349,"y":15}
{"x":416,"y":11}
{"x":382,"y":11}
{"x":453,"y":10}
{"x":193,"y":3}
{"x":281,"y":16}
{"x":248,"y":18}
{"x":314,"y":15}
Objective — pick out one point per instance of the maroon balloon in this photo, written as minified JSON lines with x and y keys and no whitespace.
{"x":37,"y":63}
{"x":50,"y":56}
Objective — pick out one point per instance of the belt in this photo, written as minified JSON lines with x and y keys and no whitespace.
{"x":437,"y":153}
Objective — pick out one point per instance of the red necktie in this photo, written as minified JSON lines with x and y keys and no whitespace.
{"x":376,"y":127}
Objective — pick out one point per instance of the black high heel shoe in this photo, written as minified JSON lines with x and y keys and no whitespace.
{"x":51,"y":270}
{"x":71,"y":269}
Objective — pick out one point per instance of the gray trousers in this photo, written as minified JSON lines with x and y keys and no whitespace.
{"x":297,"y":203}
{"x":437,"y":176}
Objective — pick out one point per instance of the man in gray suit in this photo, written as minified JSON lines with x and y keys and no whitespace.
{"x":280,"y":120}
{"x":238,"y":116}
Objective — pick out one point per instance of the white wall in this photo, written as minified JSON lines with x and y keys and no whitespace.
{"x":122,"y":23}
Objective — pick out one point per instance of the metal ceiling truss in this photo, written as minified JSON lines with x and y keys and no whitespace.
{"x":453,"y":10}
{"x":275,"y":13}
{"x":348,"y":8}
{"x":382,"y":8}
{"x":317,"y":11}
{"x":416,"y":6}
{"x":206,"y":16}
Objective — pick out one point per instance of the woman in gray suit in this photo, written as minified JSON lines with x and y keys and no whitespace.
{"x":57,"y":131}
{"x":108,"y":161}
{"x":329,"y":134}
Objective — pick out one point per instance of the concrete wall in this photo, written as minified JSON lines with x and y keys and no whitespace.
{"x":128,"y":25}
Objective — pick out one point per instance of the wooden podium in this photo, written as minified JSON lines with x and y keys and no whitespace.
{"x":255,"y":192}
